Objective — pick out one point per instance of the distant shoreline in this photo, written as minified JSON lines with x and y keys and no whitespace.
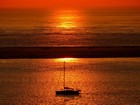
{"x":77,"y":52}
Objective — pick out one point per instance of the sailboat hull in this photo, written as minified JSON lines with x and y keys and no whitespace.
{"x":68,"y":92}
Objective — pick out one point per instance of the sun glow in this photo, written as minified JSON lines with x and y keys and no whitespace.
{"x":67,"y":20}
{"x":67,"y":25}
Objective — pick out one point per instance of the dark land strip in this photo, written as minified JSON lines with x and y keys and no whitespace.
{"x":77,"y":52}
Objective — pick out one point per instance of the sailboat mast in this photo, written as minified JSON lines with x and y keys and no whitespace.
{"x":64,"y":74}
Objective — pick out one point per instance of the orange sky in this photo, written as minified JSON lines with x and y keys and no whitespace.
{"x":68,"y":3}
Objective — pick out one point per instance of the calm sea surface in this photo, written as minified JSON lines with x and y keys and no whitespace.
{"x":109,"y":81}
{"x":20,"y":28}
{"x":103,"y":81}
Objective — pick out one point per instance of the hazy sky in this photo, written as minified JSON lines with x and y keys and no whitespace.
{"x":68,"y":3}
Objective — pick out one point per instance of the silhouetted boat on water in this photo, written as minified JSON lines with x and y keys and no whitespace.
{"x":67,"y":90}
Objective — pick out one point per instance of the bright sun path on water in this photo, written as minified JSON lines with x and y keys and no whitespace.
{"x":67,"y":19}
{"x":66,"y":59}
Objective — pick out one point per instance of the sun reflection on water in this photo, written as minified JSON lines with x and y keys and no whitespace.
{"x":67,"y":20}
{"x":64,"y":28}
{"x":68,"y":59}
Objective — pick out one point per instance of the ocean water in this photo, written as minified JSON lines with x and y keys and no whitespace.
{"x":103,"y":81}
{"x":37,"y":28}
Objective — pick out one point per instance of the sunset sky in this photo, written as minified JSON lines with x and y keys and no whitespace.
{"x":69,"y":3}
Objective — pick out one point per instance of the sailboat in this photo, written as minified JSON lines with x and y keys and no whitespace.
{"x":67,"y":90}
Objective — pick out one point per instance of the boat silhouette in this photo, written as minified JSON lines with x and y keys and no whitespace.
{"x":67,"y":90}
